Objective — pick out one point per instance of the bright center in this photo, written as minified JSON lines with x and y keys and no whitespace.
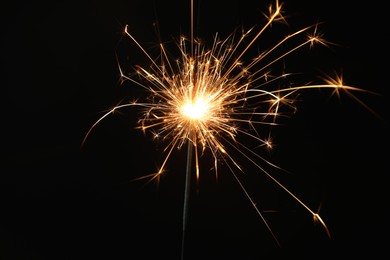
{"x":196,"y":109}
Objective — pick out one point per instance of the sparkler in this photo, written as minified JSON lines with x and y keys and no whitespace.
{"x":210,"y":96}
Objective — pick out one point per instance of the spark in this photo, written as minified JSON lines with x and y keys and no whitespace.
{"x":212,"y":96}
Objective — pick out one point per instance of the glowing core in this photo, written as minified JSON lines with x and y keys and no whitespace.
{"x":195,"y":109}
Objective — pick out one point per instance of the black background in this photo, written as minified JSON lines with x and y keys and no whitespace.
{"x":60,"y":201}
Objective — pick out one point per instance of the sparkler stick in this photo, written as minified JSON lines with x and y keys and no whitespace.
{"x":189,"y":151}
{"x":187,"y":192}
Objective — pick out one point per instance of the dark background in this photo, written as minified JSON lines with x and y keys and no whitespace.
{"x":62,"y":202}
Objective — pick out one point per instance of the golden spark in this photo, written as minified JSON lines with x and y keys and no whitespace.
{"x":209,"y":96}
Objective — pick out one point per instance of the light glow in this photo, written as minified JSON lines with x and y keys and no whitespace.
{"x":197,"y":109}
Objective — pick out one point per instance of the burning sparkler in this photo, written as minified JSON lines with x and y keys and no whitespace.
{"x":211,"y":95}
